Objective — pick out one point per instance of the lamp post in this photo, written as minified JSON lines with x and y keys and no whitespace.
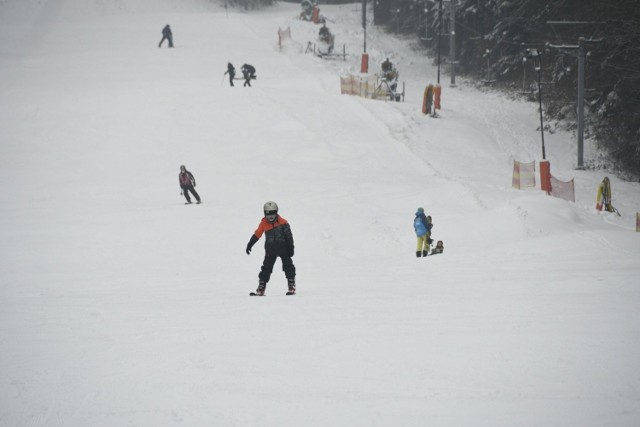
{"x":439,"y":31}
{"x":537,"y":54}
{"x":426,"y":23}
{"x":364,"y":23}
{"x":364,"y":64}
{"x":452,"y":42}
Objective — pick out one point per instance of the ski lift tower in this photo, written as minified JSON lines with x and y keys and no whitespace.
{"x":582,"y":55}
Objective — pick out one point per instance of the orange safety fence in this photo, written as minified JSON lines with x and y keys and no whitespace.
{"x":563,"y":190}
{"x":363,"y":86}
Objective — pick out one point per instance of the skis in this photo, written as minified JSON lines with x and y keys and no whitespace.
{"x":253,"y":294}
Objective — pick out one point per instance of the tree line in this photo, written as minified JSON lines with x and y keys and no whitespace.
{"x":493,"y":39}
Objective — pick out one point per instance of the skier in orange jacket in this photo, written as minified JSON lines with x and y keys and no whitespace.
{"x":278,"y":243}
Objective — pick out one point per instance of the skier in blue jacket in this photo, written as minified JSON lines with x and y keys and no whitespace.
{"x":422,"y":225}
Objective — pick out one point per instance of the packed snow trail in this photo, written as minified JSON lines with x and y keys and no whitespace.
{"x":119,"y":305}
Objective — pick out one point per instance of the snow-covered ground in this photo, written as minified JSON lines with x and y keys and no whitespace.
{"x":119,"y":305}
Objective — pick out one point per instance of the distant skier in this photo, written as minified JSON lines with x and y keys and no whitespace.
{"x":249,"y":73}
{"x":166,"y":35}
{"x":422,"y":225}
{"x":438,"y":249}
{"x":231,"y":70}
{"x":278,"y":243}
{"x":187,"y":184}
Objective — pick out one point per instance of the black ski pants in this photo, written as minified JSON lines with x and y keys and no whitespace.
{"x":185,"y":191}
{"x":267,"y":267}
{"x":170,"y":38}
{"x":247,"y":78}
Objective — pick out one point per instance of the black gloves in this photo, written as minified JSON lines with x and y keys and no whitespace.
{"x":290,"y":251}
{"x":252,"y":242}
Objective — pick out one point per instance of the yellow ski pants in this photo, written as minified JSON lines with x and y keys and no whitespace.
{"x":423,"y":243}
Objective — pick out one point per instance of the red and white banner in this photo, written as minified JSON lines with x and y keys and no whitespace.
{"x":524,"y":175}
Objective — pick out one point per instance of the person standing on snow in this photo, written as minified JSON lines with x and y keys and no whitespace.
{"x":422,"y":225}
{"x":278,"y":243}
{"x":386,"y":66}
{"x":166,"y":35}
{"x":231,"y":70}
{"x":249,"y":73}
{"x":187,"y":184}
{"x":603,"y":198}
{"x":324,"y":34}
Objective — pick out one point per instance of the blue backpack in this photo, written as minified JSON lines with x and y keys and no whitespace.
{"x":419,"y":226}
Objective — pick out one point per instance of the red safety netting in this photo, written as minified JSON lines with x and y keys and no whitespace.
{"x":563,"y":190}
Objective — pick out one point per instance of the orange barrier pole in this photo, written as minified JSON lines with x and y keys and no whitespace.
{"x":364,"y":64}
{"x":437,"y":91}
{"x":545,"y":176}
{"x":427,"y":100}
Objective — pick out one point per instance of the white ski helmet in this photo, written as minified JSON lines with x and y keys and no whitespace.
{"x":270,"y":206}
{"x":271,"y":211}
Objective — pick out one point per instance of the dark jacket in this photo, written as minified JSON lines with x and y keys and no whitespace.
{"x":186,"y":179}
{"x":166,"y":31}
{"x":278,"y":237}
{"x":248,"y":69}
{"x":324,"y":33}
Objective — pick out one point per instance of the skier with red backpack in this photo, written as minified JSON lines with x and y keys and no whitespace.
{"x":278,"y":243}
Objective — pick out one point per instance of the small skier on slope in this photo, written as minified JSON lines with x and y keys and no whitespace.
{"x":167,"y":34}
{"x":187,"y":184}
{"x":231,"y":70}
{"x":249,"y":73}
{"x":278,"y":243}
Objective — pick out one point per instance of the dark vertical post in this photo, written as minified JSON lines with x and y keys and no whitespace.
{"x":364,"y":23}
{"x":439,"y":31}
{"x":581,"y":62}
{"x":539,"y":54}
{"x":452,"y":43}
